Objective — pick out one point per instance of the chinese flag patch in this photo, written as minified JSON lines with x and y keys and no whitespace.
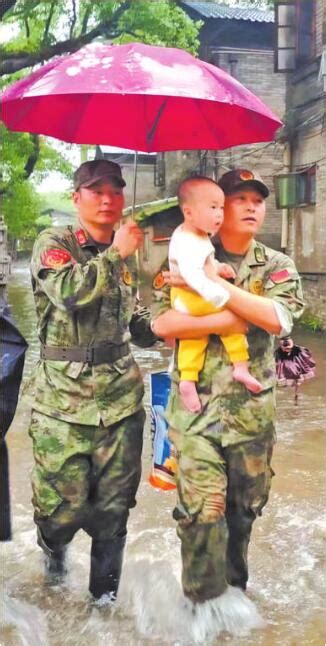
{"x":280,"y":276}
{"x":55,"y":258}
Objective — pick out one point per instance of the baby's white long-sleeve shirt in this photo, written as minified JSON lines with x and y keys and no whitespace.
{"x":188,"y":253}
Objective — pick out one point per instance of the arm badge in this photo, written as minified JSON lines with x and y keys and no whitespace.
{"x":55,"y":258}
{"x":158,"y":281}
{"x":280,"y":276}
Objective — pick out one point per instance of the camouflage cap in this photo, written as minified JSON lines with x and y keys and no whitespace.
{"x":97,"y":170}
{"x":241,"y":178}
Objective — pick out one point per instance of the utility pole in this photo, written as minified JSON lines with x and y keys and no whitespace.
{"x":5,"y":260}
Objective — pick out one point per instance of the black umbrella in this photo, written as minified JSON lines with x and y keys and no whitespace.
{"x":294,"y":365}
{"x":12,"y":356}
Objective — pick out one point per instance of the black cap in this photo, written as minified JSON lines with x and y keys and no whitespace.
{"x":241,"y":178}
{"x":98,"y":170}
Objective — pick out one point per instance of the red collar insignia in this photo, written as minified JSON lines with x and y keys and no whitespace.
{"x":81,"y":236}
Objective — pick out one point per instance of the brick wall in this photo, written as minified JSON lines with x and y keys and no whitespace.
{"x":145,"y":189}
{"x":306,"y":98}
{"x":314,"y":290}
{"x":256,"y":71}
{"x":310,"y":221}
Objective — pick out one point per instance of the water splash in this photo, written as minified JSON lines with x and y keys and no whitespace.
{"x":151,"y":593}
{"x":28,"y":622}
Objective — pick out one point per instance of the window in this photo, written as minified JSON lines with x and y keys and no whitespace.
{"x":306,"y":31}
{"x":296,"y":189}
{"x":295,"y":36}
{"x":159,"y":170}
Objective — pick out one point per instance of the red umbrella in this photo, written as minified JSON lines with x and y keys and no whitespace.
{"x":137,"y":96}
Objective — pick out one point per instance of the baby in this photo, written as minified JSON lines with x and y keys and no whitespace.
{"x":191,"y":259}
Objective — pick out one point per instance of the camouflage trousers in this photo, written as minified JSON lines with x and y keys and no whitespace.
{"x":221,"y":491}
{"x":85,"y":477}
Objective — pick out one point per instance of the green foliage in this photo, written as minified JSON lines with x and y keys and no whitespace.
{"x":44,"y":28}
{"x":159,"y":23}
{"x":59,"y":201}
{"x":43,"y":221}
{"x":21,"y":205}
{"x":40,"y":29}
{"x":311,"y":321}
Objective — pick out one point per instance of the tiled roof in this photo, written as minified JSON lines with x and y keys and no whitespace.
{"x":212,"y":10}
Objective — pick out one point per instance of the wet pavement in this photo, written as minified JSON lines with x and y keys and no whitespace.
{"x":287,"y":552}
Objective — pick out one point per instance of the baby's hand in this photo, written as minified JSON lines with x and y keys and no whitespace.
{"x":225,"y":271}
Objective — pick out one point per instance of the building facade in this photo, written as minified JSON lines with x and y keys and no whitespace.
{"x":240,"y":41}
{"x":300,"y":54}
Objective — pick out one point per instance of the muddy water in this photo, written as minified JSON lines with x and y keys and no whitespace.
{"x":287,"y":554}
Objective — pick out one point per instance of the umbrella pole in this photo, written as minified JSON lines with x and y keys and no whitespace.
{"x":133,"y":209}
{"x":134,"y":186}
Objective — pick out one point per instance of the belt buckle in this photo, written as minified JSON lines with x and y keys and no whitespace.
{"x":90,"y":355}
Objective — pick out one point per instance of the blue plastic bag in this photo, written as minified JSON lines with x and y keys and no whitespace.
{"x":164,"y":463}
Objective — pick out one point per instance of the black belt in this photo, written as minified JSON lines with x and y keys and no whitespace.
{"x":92,"y":354}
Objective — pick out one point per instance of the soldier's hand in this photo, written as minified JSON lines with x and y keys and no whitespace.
{"x":226,"y":271}
{"x":128,"y":238}
{"x":173,"y":280}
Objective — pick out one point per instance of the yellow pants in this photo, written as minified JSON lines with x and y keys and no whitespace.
{"x":191,"y":354}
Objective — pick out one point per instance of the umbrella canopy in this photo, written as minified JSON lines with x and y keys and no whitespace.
{"x":137,"y":96}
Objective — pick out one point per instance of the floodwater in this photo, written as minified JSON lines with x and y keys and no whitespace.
{"x":287,"y":552}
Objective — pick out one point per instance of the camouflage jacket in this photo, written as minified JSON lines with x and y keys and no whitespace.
{"x":84,"y":297}
{"x":239,"y":415}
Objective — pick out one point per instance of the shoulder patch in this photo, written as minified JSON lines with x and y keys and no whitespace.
{"x":158,"y":280}
{"x":282,"y":276}
{"x":55,"y":258}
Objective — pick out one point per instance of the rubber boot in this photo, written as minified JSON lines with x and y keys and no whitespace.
{"x":54,"y":560}
{"x":106,"y":565}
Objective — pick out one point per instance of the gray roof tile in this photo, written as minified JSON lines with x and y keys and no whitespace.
{"x":212,"y":10}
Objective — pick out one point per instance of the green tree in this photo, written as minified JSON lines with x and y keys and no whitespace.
{"x":23,"y":156}
{"x":43,"y":29}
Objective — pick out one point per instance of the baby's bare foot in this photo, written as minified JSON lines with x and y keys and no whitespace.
{"x":189,"y":396}
{"x":242,"y":374}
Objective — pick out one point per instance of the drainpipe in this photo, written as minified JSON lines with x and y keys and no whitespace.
{"x":285,"y":212}
{"x":290,"y":248}
{"x":288,"y":221}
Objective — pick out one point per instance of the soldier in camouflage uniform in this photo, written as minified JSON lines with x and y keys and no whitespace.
{"x":224,"y":452}
{"x":87,"y":417}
